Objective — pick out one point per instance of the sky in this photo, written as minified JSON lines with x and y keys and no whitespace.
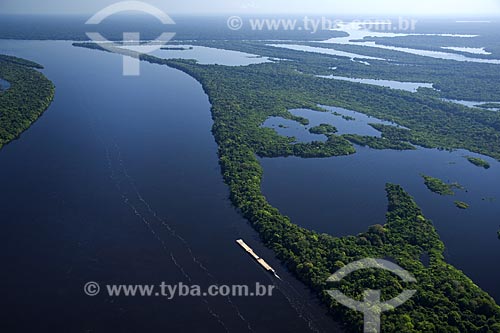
{"x":252,"y":7}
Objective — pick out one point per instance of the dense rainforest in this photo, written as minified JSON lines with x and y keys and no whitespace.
{"x":474,"y":81}
{"x":29,"y":95}
{"x":243,"y":98}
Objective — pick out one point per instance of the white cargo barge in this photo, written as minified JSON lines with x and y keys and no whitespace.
{"x":259,"y":260}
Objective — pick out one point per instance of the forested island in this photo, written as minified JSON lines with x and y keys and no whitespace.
{"x":243,"y":98}
{"x":176,"y":48}
{"x":438,"y":186}
{"x":29,"y":95}
{"x":324,"y":129}
{"x":478,"y":162}
{"x":461,"y":205}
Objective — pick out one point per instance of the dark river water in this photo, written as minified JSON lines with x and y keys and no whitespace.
{"x":118,"y":183}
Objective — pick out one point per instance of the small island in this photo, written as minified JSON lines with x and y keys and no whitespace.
{"x":438,"y":186}
{"x":177,"y":48}
{"x":325,"y":129}
{"x":498,"y":234}
{"x":461,"y":205}
{"x":478,"y":162}
{"x":345,"y":117}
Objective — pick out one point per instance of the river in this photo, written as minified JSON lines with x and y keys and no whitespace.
{"x":119,"y":183}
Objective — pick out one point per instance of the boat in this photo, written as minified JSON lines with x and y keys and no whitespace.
{"x":259,"y":260}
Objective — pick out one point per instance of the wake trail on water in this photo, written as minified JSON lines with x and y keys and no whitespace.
{"x":135,"y":210}
{"x":174,"y":234}
{"x":294,"y":299}
{"x":298,"y":306}
{"x":123,"y":193}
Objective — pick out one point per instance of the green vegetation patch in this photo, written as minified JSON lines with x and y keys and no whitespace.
{"x":438,"y":186}
{"x":392,"y":132}
{"x":378,"y":143}
{"x":29,"y":95}
{"x":478,"y":162}
{"x":324,"y":129}
{"x":462,"y":205}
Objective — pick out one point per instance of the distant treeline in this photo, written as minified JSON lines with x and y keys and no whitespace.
{"x":73,"y":27}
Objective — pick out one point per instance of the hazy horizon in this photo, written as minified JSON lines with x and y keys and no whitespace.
{"x":462,"y":8}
